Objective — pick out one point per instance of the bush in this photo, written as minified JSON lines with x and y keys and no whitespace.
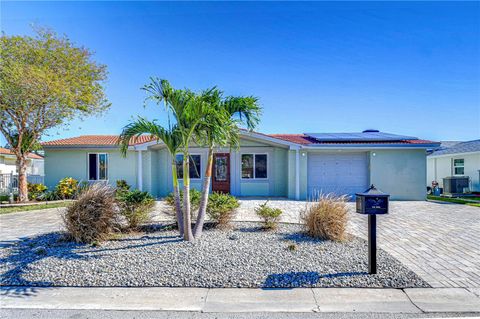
{"x":93,"y":216}
{"x":123,"y":185}
{"x":67,"y":188}
{"x":270,"y":215}
{"x":326,"y":217}
{"x":195,"y":196}
{"x":220,"y":208}
{"x":135,"y":206}
{"x":49,"y":196}
{"x":35,"y":191}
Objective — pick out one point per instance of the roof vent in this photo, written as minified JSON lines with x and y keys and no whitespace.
{"x":371,"y":131}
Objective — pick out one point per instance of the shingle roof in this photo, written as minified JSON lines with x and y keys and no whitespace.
{"x":98,"y":140}
{"x":464,"y":147}
{"x":305,"y":140}
{"x":6,"y":151}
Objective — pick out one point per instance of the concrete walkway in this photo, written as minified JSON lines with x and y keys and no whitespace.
{"x":303,"y":300}
{"x":438,"y":241}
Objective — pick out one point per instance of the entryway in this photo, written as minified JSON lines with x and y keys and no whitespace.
{"x":221,"y":173}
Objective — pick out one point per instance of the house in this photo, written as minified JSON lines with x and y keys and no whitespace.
{"x":8,"y":163}
{"x":460,"y":159}
{"x":285,"y":165}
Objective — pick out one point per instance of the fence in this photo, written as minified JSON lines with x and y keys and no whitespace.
{"x":9,"y":182}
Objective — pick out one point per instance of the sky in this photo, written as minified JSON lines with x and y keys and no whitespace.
{"x":411,"y":68}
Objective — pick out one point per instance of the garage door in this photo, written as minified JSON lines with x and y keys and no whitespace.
{"x":337,"y":173}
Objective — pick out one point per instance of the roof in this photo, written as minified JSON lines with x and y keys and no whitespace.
{"x":463,"y":147}
{"x":365,"y":136}
{"x":97,"y":140}
{"x":6,"y":151}
{"x":309,"y":140}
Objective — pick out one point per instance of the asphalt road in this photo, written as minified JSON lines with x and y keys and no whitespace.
{"x":102,"y":314}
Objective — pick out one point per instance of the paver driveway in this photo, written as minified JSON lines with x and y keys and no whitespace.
{"x":438,"y":241}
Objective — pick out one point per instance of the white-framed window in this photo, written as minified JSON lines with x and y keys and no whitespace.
{"x":195,"y":166}
{"x":254,"y":166}
{"x":458,"y":166}
{"x":97,"y":166}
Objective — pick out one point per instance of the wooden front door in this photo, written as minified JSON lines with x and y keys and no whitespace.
{"x":221,"y":173}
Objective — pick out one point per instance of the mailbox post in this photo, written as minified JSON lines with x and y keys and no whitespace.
{"x":372,"y":202}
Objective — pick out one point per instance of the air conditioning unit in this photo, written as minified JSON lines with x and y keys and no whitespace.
{"x":455,"y":184}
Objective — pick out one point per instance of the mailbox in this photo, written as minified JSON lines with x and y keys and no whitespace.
{"x":372,"y":202}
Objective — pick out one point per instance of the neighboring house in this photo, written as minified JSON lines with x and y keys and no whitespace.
{"x":8,"y":164}
{"x":461,"y":159}
{"x":286,"y":165}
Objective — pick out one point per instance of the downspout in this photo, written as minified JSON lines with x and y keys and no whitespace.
{"x":139,"y":170}
{"x":297,"y":173}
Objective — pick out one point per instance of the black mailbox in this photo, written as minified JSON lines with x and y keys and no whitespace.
{"x":372,"y":202}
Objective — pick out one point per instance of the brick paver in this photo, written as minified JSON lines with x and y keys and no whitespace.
{"x":440,"y":242}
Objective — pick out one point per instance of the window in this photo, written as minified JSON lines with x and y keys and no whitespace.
{"x":458,"y":166}
{"x":195,"y":166}
{"x":254,"y":166}
{"x":97,"y":166}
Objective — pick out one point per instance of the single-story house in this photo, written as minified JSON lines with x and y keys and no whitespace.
{"x":277,"y":165}
{"x":8,"y":163}
{"x":459,"y":159}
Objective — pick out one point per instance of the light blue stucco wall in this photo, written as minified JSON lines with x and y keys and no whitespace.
{"x":61,"y":163}
{"x":401,"y":173}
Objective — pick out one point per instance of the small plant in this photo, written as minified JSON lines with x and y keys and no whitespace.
{"x":270,"y":215}
{"x":326,"y":217}
{"x":35,"y":191}
{"x":67,"y":188}
{"x":135,"y":206}
{"x":195,"y":196}
{"x":292,"y":247}
{"x":122,"y":184}
{"x":220,"y":208}
{"x":93,"y":216}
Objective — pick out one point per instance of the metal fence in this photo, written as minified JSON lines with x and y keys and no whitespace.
{"x":9,"y":182}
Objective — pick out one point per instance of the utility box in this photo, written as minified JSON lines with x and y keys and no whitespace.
{"x":372,"y":202}
{"x":455,"y":184}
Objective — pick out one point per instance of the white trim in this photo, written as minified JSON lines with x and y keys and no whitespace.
{"x":297,"y":174}
{"x":139,"y":170}
{"x":255,"y":178}
{"x":98,"y":167}
{"x":201,"y":171}
{"x":453,"y":154}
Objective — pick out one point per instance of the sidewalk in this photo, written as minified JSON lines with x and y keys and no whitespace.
{"x":414,"y":300}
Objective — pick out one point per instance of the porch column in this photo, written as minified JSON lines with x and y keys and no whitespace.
{"x":297,"y":174}
{"x":139,"y":170}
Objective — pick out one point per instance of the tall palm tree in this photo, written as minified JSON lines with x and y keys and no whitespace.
{"x":219,"y":129}
{"x":171,"y":138}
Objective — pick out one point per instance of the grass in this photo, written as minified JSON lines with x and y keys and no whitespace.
{"x":7,"y":210}
{"x":454,"y":200}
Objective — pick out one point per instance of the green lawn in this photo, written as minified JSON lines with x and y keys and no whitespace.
{"x":6,"y":210}
{"x":455,"y":200}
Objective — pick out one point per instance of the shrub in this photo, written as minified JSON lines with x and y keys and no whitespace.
{"x":220,"y":208}
{"x":270,"y":215}
{"x":35,"y":191}
{"x":93,"y":216}
{"x":67,"y":188}
{"x":49,"y":196}
{"x":122,"y":184}
{"x":195,"y":196}
{"x":135,"y":206}
{"x":326,"y":217}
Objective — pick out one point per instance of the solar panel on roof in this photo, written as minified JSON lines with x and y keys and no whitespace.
{"x":365,"y":136}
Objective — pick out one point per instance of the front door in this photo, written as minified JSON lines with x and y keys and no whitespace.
{"x":221,"y":173}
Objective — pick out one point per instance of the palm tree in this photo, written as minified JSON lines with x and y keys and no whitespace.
{"x":171,"y":138}
{"x":219,"y":129}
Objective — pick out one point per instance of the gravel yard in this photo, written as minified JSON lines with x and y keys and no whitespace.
{"x":245,"y":256}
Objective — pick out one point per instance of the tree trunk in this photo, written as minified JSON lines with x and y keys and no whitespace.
{"x":22,"y":178}
{"x":176,"y":194}
{"x":202,"y":210}
{"x":187,"y":222}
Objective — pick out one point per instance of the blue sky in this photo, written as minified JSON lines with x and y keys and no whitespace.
{"x":403,"y":67}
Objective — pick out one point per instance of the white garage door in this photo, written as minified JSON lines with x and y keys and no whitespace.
{"x":337,"y":173}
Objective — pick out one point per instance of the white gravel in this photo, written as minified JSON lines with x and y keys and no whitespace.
{"x":245,"y":256}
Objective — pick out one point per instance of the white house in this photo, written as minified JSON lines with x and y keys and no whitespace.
{"x":35,"y":163}
{"x":461,"y":159}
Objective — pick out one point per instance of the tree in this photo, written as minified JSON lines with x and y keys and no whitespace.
{"x":220,"y":128}
{"x":45,"y":81}
{"x":188,"y":111}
